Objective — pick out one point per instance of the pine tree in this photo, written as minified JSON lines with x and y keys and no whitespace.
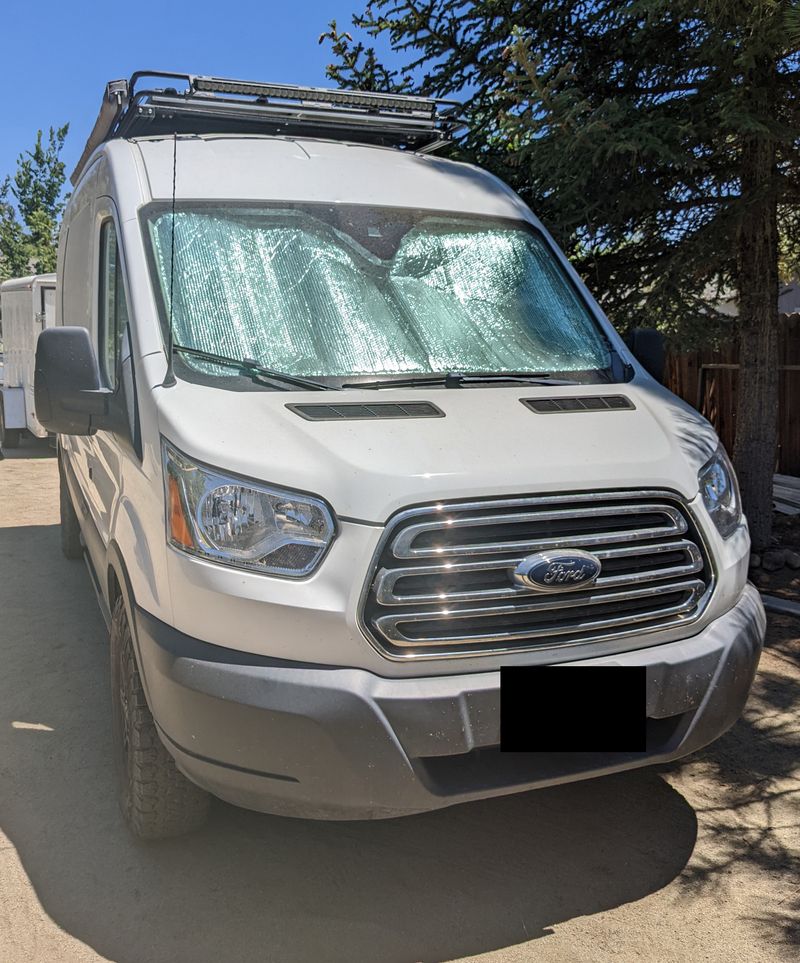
{"x":30,"y":208}
{"x":658,"y":139}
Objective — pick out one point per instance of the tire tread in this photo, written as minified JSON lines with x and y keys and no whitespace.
{"x":158,"y":801}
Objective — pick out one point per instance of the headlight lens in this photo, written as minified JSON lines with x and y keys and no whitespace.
{"x":243,"y":523}
{"x":720,"y":492}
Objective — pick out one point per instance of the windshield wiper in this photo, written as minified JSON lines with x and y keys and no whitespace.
{"x":453,"y":379}
{"x":249,"y":366}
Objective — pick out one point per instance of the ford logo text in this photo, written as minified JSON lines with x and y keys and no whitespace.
{"x":557,"y":571}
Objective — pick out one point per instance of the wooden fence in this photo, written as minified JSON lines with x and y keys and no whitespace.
{"x":708,"y":380}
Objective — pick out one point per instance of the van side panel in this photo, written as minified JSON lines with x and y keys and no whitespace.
{"x":74,"y":300}
{"x":136,"y":523}
{"x":122,"y":489}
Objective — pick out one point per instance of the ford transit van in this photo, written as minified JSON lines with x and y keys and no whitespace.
{"x":341,"y":435}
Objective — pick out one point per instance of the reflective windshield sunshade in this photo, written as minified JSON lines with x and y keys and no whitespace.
{"x":317,"y":290}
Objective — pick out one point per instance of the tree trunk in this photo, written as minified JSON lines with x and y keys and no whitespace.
{"x":757,"y":409}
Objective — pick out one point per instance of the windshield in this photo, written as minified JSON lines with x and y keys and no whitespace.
{"x":345,"y":291}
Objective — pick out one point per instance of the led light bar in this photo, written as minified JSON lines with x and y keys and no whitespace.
{"x":322,"y":95}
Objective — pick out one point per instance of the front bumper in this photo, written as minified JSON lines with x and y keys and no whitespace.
{"x":337,"y":743}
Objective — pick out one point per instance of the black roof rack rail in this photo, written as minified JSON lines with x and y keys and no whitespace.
{"x":214,"y":105}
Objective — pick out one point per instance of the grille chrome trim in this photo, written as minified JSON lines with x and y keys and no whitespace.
{"x":386,"y":579}
{"x":404,"y":544}
{"x":628,"y":583}
{"x":388,"y":623}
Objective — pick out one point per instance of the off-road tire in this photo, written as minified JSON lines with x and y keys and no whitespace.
{"x":70,"y":526}
{"x":157,"y":800}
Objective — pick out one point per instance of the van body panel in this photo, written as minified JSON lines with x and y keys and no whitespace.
{"x":224,"y":167}
{"x":488,"y":443}
{"x":301,"y":740}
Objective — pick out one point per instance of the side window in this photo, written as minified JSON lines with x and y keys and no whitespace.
{"x":113,"y":314}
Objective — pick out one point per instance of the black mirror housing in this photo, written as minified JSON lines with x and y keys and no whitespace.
{"x":68,"y":393}
{"x":649,"y":349}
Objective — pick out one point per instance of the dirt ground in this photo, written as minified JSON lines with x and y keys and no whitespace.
{"x":699,"y":861}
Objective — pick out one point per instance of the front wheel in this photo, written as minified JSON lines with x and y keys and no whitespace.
{"x":157,"y":800}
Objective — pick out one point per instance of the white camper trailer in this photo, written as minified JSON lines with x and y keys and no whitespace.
{"x":27,"y":307}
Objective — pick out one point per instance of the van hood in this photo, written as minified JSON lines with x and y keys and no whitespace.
{"x":487,"y":444}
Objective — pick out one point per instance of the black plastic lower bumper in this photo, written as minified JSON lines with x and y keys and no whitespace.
{"x":338,"y":743}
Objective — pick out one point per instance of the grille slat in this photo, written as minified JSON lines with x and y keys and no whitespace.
{"x":390,"y":625}
{"x":673,"y":523}
{"x":386,"y":582}
{"x":442,"y":582}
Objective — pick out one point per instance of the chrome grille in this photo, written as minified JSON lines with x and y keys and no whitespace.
{"x":442,"y":584}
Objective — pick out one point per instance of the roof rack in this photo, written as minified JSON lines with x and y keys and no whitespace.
{"x":207,"y":105}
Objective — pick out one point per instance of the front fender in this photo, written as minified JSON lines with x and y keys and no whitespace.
{"x":130,"y":542}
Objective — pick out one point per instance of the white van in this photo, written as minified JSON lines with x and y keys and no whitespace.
{"x":311,"y":598}
{"x":27,"y":307}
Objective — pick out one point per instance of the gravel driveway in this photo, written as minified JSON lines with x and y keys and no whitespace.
{"x":697,"y":861}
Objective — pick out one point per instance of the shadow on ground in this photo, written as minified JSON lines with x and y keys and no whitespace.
{"x":30,"y":447}
{"x":752,"y":814}
{"x":454,"y":883}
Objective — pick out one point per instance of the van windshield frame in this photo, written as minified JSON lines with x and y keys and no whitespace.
{"x":442,"y":257}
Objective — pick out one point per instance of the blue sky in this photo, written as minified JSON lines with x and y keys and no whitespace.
{"x":55,"y":63}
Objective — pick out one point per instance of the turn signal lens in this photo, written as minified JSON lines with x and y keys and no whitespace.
{"x":178,"y":526}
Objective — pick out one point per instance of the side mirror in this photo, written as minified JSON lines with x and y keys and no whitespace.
{"x":67,"y":389}
{"x":647,"y":346}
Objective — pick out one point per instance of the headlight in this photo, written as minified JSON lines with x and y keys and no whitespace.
{"x":720,"y":492}
{"x":243,"y":523}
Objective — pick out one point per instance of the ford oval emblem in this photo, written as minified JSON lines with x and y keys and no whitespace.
{"x":557,"y":571}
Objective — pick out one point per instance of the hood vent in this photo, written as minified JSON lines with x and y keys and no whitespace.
{"x":353,"y":411}
{"x":551,"y":406}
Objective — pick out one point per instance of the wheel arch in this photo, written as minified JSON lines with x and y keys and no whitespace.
{"x":118,"y":583}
